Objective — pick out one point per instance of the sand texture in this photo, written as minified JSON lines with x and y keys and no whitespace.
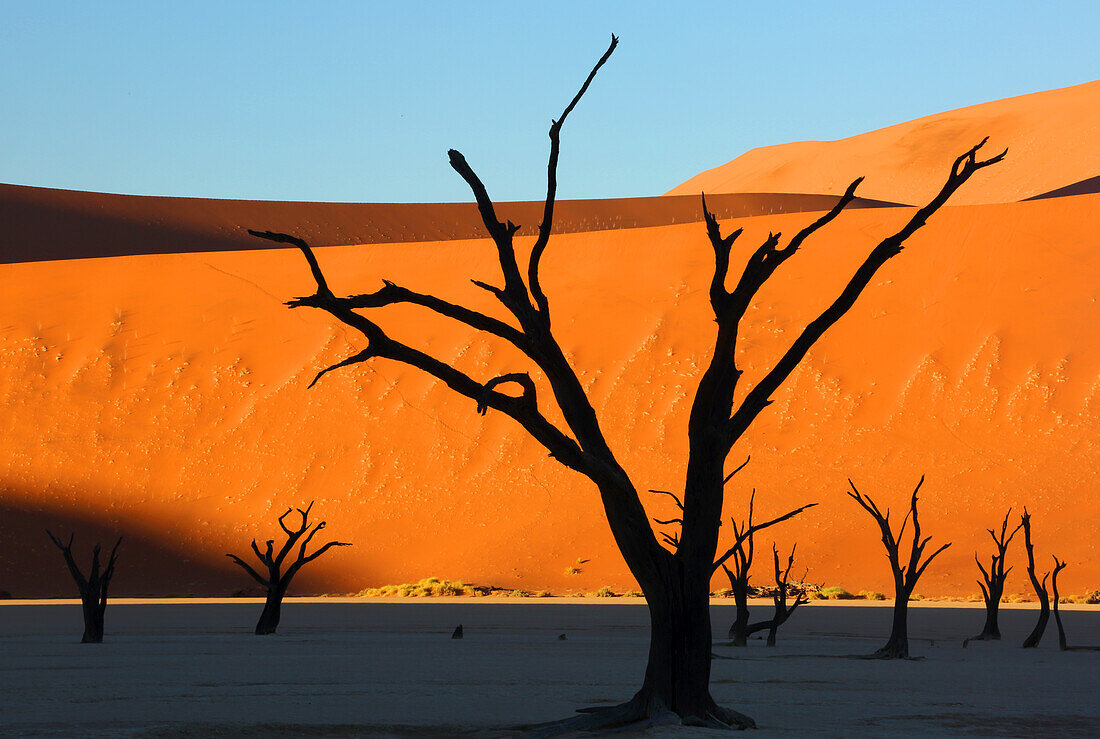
{"x":161,"y":394}
{"x":1051,"y":137}
{"x":164,"y":396}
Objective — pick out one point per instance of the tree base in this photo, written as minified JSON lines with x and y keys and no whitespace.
{"x":891,"y":651}
{"x":982,"y":637}
{"x":636,"y":714}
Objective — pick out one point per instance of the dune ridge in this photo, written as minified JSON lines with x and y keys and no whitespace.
{"x":1050,"y":135}
{"x":43,"y":224}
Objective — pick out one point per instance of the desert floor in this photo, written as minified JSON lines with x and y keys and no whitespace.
{"x":360,"y":667}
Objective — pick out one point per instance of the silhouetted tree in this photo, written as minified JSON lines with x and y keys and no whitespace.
{"x":782,"y":586}
{"x":277,"y":580}
{"x":741,"y":554}
{"x":1040,"y":587}
{"x":676,"y":585}
{"x":905,"y":576}
{"x":994,"y":578}
{"x":1058,"y":567}
{"x":93,"y":589}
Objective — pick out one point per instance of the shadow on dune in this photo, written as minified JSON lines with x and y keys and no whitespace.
{"x":42,"y":224}
{"x":148,"y":564}
{"x":1084,"y":187}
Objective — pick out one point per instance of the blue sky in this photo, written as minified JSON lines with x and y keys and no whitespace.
{"x":359,"y":101}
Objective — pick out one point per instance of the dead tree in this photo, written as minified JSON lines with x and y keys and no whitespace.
{"x":905,"y":576}
{"x":1040,"y":587}
{"x":994,"y":578}
{"x":676,"y":585}
{"x":93,"y":589}
{"x":1058,"y":567}
{"x":741,"y":554}
{"x":277,"y":580}
{"x":782,"y":586}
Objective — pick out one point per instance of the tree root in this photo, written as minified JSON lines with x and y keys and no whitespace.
{"x":639,"y":713}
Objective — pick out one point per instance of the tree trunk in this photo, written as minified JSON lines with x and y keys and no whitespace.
{"x":739,"y":630}
{"x":897,"y":646}
{"x":992,"y":607}
{"x":1036,"y":634}
{"x":93,"y":620}
{"x":269,"y":619}
{"x":677,"y":677}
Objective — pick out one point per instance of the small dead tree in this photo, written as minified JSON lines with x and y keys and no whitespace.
{"x":782,"y":585}
{"x":1040,"y":587}
{"x":1058,"y":567}
{"x":277,"y":580}
{"x":994,"y":578}
{"x":676,"y":584}
{"x":905,"y":577}
{"x":741,"y":554}
{"x":93,"y":589}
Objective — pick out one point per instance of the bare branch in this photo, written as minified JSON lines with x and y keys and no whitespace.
{"x":282,"y":519}
{"x":552,"y":186}
{"x":745,"y":534}
{"x":676,"y":498}
{"x":722,"y":245}
{"x":67,"y":552}
{"x":281,"y":238}
{"x":848,"y":196}
{"x":324,"y":549}
{"x":520,"y":378}
{"x":391,"y":294}
{"x":248,"y":568}
{"x":259,"y":555}
{"x":362,"y":356}
{"x":729,"y":477}
{"x":514,"y":294}
{"x":760,"y":396}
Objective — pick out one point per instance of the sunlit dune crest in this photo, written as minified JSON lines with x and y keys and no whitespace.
{"x":1051,"y":135}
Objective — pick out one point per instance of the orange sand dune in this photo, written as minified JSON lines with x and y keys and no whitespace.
{"x":1051,"y":137}
{"x":42,"y":224}
{"x":164,"y":396}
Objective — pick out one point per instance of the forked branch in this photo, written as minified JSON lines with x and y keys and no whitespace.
{"x":760,"y":396}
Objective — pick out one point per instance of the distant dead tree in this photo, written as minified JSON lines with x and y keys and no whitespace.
{"x":741,"y":554}
{"x":1040,"y":587}
{"x":1062,"y":645}
{"x":93,"y":589}
{"x":782,"y":585}
{"x":676,"y":585}
{"x":277,"y":580}
{"x":993,"y":587}
{"x":905,"y":576}
{"x":1058,"y":567}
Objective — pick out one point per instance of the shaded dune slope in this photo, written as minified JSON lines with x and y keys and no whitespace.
{"x":43,"y":224}
{"x":1084,"y":187}
{"x":1051,"y":137}
{"x":164,"y":395}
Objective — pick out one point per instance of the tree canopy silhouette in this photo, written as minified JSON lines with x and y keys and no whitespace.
{"x":277,"y":580}
{"x":906,"y":573}
{"x":993,"y":579}
{"x":93,"y":588}
{"x":676,"y":585}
